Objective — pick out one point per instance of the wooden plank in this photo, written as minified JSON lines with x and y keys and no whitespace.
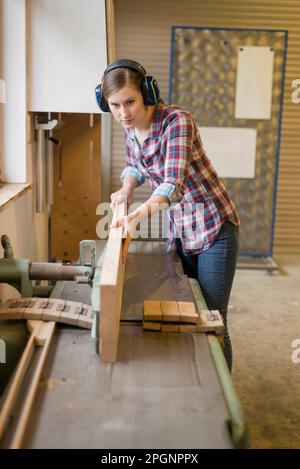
{"x":152,"y":310}
{"x":48,"y":309}
{"x":188,"y":328}
{"x":111,"y":292}
{"x":85,"y":319}
{"x":151,"y":326}
{"x":187,"y":312}
{"x":53,"y":310}
{"x":12,"y":309}
{"x":37,"y":310}
{"x":169,"y":327}
{"x":211,"y":321}
{"x":170,"y":311}
{"x":71,"y":315}
{"x":172,"y":314}
{"x":41,"y":336}
{"x":181,"y":317}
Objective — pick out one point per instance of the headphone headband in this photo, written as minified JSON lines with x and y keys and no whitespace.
{"x":135,"y":66}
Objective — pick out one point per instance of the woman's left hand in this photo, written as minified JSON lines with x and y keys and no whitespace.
{"x":125,"y":222}
{"x":128,"y":229}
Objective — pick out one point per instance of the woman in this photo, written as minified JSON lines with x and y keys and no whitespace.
{"x":163,"y":146}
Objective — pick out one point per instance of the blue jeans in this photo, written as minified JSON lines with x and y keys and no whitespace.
{"x":214,"y":269}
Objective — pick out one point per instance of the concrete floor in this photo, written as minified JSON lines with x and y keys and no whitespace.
{"x":264,"y":320}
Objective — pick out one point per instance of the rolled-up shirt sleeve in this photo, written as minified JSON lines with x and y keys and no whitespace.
{"x":131,"y":167}
{"x":178,"y":155}
{"x":133,"y":171}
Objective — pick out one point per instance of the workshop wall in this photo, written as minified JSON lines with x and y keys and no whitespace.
{"x":207,"y":63}
{"x":77,"y":185}
{"x":27,"y":230}
{"x":143,"y":33}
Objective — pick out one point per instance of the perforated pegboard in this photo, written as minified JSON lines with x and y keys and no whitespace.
{"x":202,"y":81}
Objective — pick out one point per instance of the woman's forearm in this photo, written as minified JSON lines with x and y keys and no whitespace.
{"x":149,"y":208}
{"x":129,"y":182}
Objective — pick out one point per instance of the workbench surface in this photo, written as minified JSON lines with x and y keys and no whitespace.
{"x":163,"y":391}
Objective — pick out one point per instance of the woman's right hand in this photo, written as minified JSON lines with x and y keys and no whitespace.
{"x":121,"y":196}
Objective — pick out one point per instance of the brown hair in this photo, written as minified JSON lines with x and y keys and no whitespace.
{"x":119,"y":77}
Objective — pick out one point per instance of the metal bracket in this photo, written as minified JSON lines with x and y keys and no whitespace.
{"x":42,"y":125}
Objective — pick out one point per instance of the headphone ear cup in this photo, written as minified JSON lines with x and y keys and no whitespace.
{"x":150,"y":91}
{"x":102,"y":103}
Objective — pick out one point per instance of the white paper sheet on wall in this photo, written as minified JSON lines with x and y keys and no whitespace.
{"x":254,"y":82}
{"x":232,"y":150}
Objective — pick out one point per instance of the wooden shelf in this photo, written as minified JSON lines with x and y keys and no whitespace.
{"x":10,"y":192}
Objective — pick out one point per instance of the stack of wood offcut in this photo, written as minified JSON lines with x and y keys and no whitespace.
{"x":48,"y":309}
{"x":180,"y":316}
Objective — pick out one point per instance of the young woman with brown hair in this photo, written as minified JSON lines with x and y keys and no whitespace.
{"x":163,"y":146}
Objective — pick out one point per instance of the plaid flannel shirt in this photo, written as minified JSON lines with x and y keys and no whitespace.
{"x":173,"y":159}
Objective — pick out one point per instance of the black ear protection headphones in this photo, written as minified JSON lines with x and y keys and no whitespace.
{"x":150,"y":90}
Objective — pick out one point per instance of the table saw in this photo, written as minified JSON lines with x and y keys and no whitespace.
{"x":165,"y":390}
